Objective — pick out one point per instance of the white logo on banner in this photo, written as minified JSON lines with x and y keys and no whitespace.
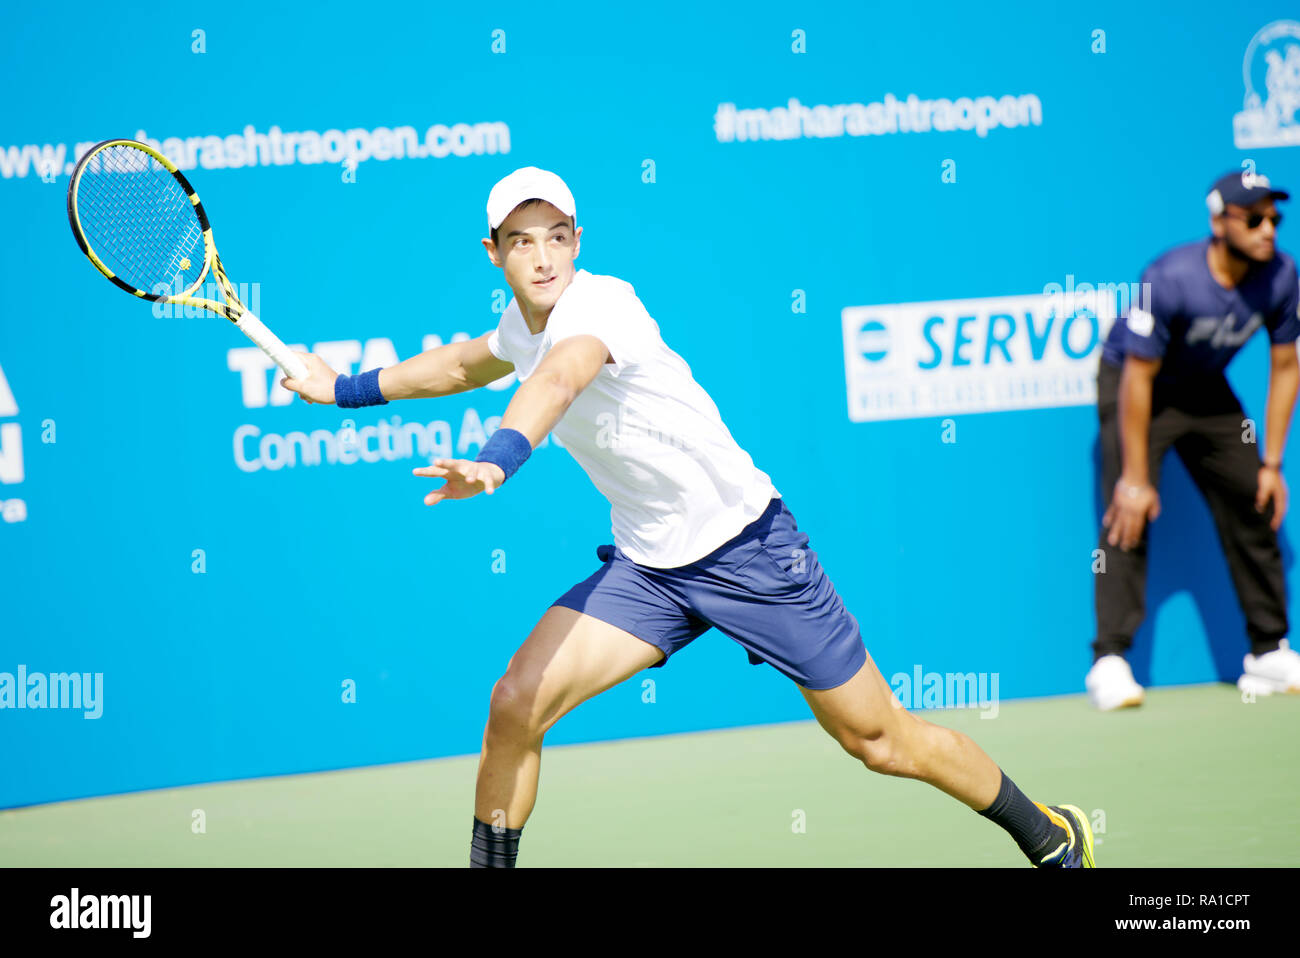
{"x":911,"y":360}
{"x":327,"y":438}
{"x":11,"y":436}
{"x":11,"y":454}
{"x":1271,"y":71}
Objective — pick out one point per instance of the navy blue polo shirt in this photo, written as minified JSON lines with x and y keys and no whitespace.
{"x":1194,"y":325}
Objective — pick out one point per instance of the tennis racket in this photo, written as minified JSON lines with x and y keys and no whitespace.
{"x":137,"y":218}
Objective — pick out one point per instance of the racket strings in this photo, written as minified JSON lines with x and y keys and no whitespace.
{"x":139,"y":221}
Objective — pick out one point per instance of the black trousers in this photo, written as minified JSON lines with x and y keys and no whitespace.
{"x":1203,"y":422}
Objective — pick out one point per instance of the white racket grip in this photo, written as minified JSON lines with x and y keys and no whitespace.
{"x":270,"y":344}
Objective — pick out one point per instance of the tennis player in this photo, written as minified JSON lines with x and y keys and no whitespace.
{"x":702,"y":538}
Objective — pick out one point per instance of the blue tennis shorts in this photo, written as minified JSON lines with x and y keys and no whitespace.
{"x":764,"y":588}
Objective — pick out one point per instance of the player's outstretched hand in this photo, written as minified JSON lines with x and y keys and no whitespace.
{"x":1131,"y":507}
{"x":464,"y":477}
{"x":319,"y":384}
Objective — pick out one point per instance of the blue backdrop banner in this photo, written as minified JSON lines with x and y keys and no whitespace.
{"x":887,"y":240}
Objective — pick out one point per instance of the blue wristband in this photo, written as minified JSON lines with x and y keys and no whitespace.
{"x":352,"y":392}
{"x":508,"y":448}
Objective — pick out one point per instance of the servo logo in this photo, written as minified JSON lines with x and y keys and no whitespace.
{"x":873,"y":340}
{"x":912,"y":360}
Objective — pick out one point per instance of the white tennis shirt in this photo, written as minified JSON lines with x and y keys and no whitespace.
{"x":645,"y":431}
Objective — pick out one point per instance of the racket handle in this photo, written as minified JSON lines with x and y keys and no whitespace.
{"x":284,"y":357}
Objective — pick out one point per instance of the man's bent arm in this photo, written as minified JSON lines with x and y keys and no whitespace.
{"x":542,"y":400}
{"x":1283,"y":382}
{"x":1135,"y":387}
{"x":444,"y":371}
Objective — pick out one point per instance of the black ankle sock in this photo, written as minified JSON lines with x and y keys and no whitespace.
{"x":1033,"y":831}
{"x":493,"y":849}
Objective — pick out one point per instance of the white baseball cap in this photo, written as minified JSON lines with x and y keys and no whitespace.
{"x":527,"y":183}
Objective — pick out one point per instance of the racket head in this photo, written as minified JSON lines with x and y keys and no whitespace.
{"x":139,"y":221}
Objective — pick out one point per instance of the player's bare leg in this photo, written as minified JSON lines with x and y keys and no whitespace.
{"x":568,"y":658}
{"x":867,"y":721}
{"x":865,"y":718}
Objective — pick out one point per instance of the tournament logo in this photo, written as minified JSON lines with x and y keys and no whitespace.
{"x":1271,"y":71}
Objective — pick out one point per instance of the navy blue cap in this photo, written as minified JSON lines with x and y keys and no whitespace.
{"x":1241,"y":189}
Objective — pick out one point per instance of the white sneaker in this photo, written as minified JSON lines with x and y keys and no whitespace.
{"x":1276,"y":671}
{"x":1111,"y":685}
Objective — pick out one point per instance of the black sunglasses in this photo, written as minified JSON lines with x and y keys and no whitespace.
{"x":1253,"y":220}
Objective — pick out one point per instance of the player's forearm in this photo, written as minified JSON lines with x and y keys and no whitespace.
{"x":434,"y":372}
{"x":1283,"y":384}
{"x":538,"y":405}
{"x":1135,"y":425}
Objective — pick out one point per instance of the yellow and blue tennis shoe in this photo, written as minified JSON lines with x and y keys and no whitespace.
{"x":1077,"y":851}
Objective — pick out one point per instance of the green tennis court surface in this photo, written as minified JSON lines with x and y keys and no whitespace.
{"x":1194,"y":777}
